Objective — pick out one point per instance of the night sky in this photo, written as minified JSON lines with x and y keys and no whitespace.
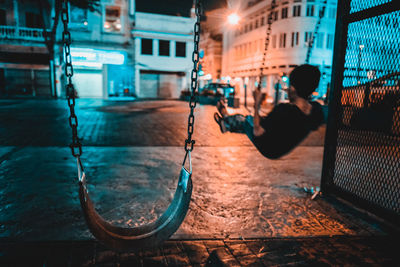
{"x":174,"y":7}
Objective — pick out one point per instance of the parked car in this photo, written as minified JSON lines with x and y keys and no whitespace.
{"x":218,"y":89}
{"x":374,"y":105}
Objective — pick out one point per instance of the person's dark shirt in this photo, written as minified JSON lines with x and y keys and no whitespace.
{"x":285,"y":127}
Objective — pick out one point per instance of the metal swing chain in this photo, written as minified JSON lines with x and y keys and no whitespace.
{"x":194,"y":83}
{"x":314,"y":35}
{"x":266,"y":43}
{"x":76,"y":146}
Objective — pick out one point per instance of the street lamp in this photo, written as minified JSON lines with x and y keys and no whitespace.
{"x":233,"y":19}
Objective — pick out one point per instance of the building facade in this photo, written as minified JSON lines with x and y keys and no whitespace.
{"x":211,"y":46}
{"x":294,"y":22}
{"x":101,"y":46}
{"x":116,"y":51}
{"x":24,"y":57}
{"x":102,"y":51}
{"x":163,"y":54}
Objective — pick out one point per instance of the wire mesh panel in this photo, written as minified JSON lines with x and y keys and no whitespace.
{"x":363,"y":139}
{"x":359,"y":5}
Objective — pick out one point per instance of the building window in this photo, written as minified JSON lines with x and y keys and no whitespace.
{"x":262,"y":21}
{"x":3,"y":20}
{"x":33,"y":20}
{"x":163,"y":48}
{"x":282,"y":40}
{"x":246,"y":28}
{"x":180,"y":49}
{"x":296,"y":11}
{"x":251,"y":26}
{"x":332,"y":13}
{"x":310,"y":10}
{"x":329,"y":41}
{"x":295,"y":39}
{"x":78,"y":17}
{"x":320,"y":40}
{"x":273,"y":41}
{"x":256,"y":25}
{"x":284,"y":13}
{"x":147,"y":46}
{"x":307,"y":38}
{"x":275,"y":16}
{"x":112,"y":21}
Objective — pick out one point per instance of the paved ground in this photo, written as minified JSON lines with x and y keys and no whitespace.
{"x":106,"y":123}
{"x":132,"y":156}
{"x":315,"y":251}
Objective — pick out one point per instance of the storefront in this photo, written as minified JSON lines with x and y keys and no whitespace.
{"x":161,"y":84}
{"x":101,"y":73}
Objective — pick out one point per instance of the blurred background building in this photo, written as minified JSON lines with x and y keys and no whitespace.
{"x":120,"y":51}
{"x":163,"y":51}
{"x":294,"y":22}
{"x":24,"y":57}
{"x":116,"y":51}
{"x":211,"y":45}
{"x":102,"y":50}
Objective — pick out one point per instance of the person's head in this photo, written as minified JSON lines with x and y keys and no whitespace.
{"x":304,"y":79}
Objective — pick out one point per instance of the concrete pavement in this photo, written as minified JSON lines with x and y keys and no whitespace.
{"x":132,"y":156}
{"x":314,"y":251}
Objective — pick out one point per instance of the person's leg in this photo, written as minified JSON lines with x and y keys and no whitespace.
{"x":232,"y":123}
{"x":222,"y":108}
{"x":235,"y":123}
{"x":248,"y":127}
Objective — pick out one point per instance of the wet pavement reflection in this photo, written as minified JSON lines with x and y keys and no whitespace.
{"x":132,"y":156}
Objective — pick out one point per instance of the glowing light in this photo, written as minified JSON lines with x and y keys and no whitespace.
{"x":96,"y":57}
{"x":85,"y":23}
{"x":106,"y":25}
{"x":208,"y":77}
{"x":233,"y":19}
{"x":88,"y":64}
{"x":285,"y":79}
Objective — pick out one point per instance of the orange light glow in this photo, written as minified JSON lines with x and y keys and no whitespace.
{"x":233,"y":19}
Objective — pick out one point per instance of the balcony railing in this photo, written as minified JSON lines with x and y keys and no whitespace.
{"x":21,"y":33}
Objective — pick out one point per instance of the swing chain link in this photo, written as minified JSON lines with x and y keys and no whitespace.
{"x":194,"y":79}
{"x":266,"y":42}
{"x":76,"y":146}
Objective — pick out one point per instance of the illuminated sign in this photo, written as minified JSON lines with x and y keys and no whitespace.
{"x":88,"y":57}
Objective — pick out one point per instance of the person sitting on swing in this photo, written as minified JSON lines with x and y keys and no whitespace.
{"x":287,"y":124}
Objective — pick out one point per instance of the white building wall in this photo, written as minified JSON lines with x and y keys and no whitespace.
{"x":89,"y":33}
{"x":163,"y":27}
{"x":239,"y":61}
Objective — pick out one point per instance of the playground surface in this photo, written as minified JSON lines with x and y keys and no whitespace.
{"x":244,"y":209}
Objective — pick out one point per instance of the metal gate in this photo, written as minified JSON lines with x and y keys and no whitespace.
{"x":362,"y":146}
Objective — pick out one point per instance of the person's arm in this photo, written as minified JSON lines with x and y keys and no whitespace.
{"x":257,"y":128}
